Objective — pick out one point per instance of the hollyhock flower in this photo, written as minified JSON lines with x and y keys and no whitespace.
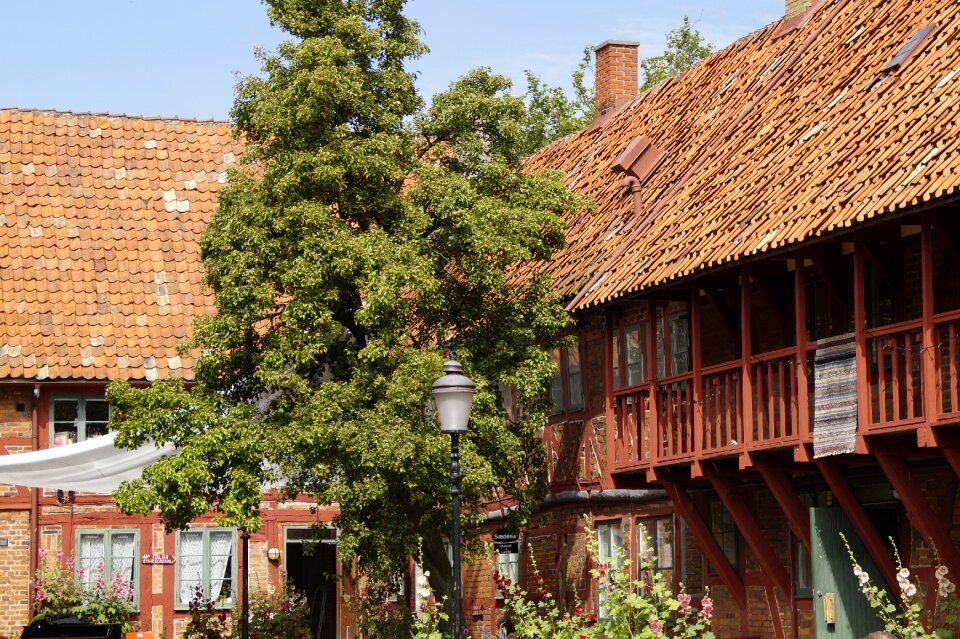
{"x":864,"y":577}
{"x":904,"y":573}
{"x":100,"y":567}
{"x":941,"y":572}
{"x":706,"y":605}
{"x":42,"y":553}
{"x":59,"y":554}
{"x":910,"y":590}
{"x":38,"y":595}
{"x":656,"y":627}
{"x":684,"y":600}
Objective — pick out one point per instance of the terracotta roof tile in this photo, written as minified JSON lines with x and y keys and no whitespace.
{"x":99,"y":218}
{"x":770,"y":142}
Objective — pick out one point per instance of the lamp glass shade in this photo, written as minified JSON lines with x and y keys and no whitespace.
{"x":453,"y":396}
{"x":273,"y":554}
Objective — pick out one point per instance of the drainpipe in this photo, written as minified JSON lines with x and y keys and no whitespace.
{"x":634,"y":185}
{"x":34,"y":497}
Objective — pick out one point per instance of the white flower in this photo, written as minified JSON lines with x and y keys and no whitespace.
{"x":866,"y":590}
{"x":857,"y":570}
{"x":941,"y":572}
{"x":903,"y":574}
{"x":864,"y":577}
{"x":910,"y":591}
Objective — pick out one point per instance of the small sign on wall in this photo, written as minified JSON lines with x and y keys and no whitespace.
{"x":157,"y":559}
{"x":506,"y":542}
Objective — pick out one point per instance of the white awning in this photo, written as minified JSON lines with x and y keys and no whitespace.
{"x":94,"y":465}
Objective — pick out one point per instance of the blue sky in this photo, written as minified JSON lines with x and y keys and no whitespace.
{"x":180,"y":57}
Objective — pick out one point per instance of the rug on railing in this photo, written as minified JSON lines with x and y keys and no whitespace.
{"x":835,"y":396}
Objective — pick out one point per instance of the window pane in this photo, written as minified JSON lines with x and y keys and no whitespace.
{"x":96,"y":416}
{"x":616,"y":361}
{"x":634,"y":356}
{"x":123,"y":556}
{"x":661,"y":358}
{"x":574,"y":378}
{"x":664,"y":539}
{"x":221,"y":565}
{"x":65,"y":421}
{"x":90,"y":558}
{"x":680,"y":343}
{"x":556,"y":384}
{"x":190,"y":565}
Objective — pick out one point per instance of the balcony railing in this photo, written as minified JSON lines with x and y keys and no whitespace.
{"x":633,"y":428}
{"x":778,"y":399}
{"x":895,"y":379}
{"x":720,"y":407}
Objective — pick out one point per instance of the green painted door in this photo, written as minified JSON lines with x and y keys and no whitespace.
{"x":833,"y":574}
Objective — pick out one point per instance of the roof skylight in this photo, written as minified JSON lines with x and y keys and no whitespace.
{"x":911,"y":47}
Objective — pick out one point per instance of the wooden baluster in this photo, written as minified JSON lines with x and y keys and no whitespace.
{"x":928,"y":377}
{"x":882,"y":344}
{"x":800,"y":304}
{"x":895,"y":385}
{"x":908,"y":376}
{"x":952,"y":333}
{"x":697,"y":408}
{"x":784,"y":425}
{"x":745,"y":405}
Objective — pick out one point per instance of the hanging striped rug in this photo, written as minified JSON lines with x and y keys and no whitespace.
{"x":835,"y":396}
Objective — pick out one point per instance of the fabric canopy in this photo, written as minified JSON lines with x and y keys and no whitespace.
{"x":94,"y":465}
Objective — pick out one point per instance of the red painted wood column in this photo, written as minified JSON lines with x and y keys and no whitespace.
{"x":859,"y":328}
{"x":802,"y":453}
{"x":878,"y":547}
{"x":929,"y":380}
{"x":699,"y":427}
{"x":746,"y":403}
{"x":751,"y":532}
{"x":798,"y":518}
{"x":611,"y":423}
{"x":918,"y":510}
{"x":684,"y":505}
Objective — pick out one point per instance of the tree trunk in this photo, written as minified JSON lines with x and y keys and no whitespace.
{"x":435,"y":560}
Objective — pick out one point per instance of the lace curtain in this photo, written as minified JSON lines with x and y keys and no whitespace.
{"x":221,"y":570}
{"x":123,"y":556}
{"x":90,"y":557}
{"x":191,"y":565}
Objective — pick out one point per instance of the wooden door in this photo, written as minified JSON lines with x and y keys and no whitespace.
{"x":833,"y":575}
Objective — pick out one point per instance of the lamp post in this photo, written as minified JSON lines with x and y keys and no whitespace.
{"x":245,"y":628}
{"x":453,"y":395}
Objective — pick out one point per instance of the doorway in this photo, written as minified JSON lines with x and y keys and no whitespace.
{"x":311,"y":566}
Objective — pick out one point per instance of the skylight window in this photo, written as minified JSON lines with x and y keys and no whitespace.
{"x":911,"y":47}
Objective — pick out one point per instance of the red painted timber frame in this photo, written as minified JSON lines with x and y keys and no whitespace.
{"x":918,"y":510}
{"x":876,"y":546}
{"x":748,"y":526}
{"x":684,"y":505}
{"x":797,"y":516}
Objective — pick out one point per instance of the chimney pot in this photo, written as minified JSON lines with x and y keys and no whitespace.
{"x":617,"y":74}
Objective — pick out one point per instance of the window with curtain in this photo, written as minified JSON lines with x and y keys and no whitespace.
{"x":610,"y":550}
{"x":574,"y":377}
{"x":74,"y":419}
{"x":206,"y":564}
{"x":724,"y":530}
{"x":508,"y":565}
{"x":105,"y":553}
{"x":655,"y":544}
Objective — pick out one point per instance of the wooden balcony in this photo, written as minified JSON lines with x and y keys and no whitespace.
{"x":907,"y":372}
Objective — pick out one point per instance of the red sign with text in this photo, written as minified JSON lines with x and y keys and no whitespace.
{"x":158,"y":559}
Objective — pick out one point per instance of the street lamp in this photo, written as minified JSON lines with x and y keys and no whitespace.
{"x":453,"y":395}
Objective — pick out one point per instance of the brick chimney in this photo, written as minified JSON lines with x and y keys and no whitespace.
{"x":796,"y":7}
{"x":617,"y":74}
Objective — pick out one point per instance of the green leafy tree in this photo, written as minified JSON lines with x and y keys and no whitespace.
{"x":685,"y":47}
{"x":363,"y":236}
{"x":551,"y":113}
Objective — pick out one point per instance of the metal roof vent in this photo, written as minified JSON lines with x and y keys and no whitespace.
{"x":908,"y":50}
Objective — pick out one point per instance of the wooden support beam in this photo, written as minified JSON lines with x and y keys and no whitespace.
{"x":699,"y":423}
{"x":746,"y":373}
{"x":918,"y":510}
{"x":798,"y":518}
{"x":864,"y":400}
{"x":953,"y":456}
{"x":929,"y":378}
{"x":877,"y":547}
{"x":684,"y":506}
{"x":748,"y":527}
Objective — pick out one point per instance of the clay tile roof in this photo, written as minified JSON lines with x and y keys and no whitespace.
{"x":99,"y":221}
{"x":775,"y":140}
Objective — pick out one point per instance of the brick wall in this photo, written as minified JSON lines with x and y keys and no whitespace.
{"x":617,"y":74}
{"x":14,"y":567}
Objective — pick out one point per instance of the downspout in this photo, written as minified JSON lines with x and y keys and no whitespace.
{"x":634,"y":184}
{"x":34,"y":496}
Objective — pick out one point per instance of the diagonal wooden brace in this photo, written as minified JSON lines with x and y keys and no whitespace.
{"x":684,"y":505}
{"x":797,"y":516}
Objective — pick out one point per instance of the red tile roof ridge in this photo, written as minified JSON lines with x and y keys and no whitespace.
{"x":114,"y":116}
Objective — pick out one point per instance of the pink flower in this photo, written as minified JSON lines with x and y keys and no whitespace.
{"x":707,"y":606}
{"x":99,"y":584}
{"x":655,"y":626}
{"x":82,"y":573}
{"x":100,"y":567}
{"x":684,"y":600}
{"x":38,"y":595}
{"x":70,"y":561}
{"x":59,"y":554}
{"x":42,"y":553}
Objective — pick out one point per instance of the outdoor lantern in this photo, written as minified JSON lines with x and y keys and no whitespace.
{"x":273,"y":553}
{"x":453,"y":395}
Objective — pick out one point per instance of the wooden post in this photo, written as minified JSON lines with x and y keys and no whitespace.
{"x":684,"y":505}
{"x":751,"y":532}
{"x":699,"y":422}
{"x":918,"y":510}
{"x":877,"y":547}
{"x":801,"y":453}
{"x":859,"y":329}
{"x":797,"y":516}
{"x":608,"y":408}
{"x":929,"y":382}
{"x":746,"y":404}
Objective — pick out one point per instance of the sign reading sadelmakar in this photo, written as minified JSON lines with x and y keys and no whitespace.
{"x":505,"y":541}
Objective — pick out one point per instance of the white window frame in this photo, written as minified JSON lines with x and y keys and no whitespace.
{"x":508,"y":566}
{"x":226,"y":600}
{"x":108,"y":534}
